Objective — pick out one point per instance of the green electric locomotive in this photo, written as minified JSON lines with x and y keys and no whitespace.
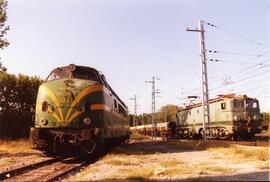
{"x":231,"y":117}
{"x":77,"y":108}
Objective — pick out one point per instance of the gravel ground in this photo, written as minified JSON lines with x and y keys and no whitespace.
{"x":162,"y":161}
{"x":157,"y":160}
{"x":17,"y":154}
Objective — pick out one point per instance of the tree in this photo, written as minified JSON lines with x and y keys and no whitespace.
{"x":2,"y":68}
{"x":167,"y":113}
{"x":17,"y":102}
{"x":266,"y":120}
{"x":3,"y":27}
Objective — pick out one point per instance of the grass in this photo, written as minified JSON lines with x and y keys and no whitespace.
{"x":11,"y":152}
{"x":119,"y":162}
{"x":179,"y":169}
{"x":241,"y":153}
{"x":137,"y":136}
{"x":264,"y":165}
{"x":216,"y":147}
{"x":170,"y":163}
{"x":195,"y":145}
{"x":150,"y":166}
{"x":211,"y":168}
{"x":15,"y":146}
{"x":266,"y":131}
{"x":141,"y":172}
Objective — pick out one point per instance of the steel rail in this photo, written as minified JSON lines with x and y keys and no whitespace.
{"x":15,"y":172}
{"x":68,"y":171}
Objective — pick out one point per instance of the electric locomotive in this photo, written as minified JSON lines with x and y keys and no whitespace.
{"x":77,"y":109}
{"x":231,"y":117}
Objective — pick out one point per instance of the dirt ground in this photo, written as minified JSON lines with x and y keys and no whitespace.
{"x":175,"y":160}
{"x":15,"y":154}
{"x":147,"y":159}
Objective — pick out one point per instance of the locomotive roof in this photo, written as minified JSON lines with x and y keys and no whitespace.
{"x":86,"y":68}
{"x":219,"y":98}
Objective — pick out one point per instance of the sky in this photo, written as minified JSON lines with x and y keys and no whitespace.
{"x":132,"y":40}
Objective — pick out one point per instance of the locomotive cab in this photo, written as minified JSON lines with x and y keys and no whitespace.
{"x":246,"y":115}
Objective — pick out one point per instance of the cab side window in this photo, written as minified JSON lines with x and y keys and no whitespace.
{"x":121,"y":110}
{"x":115,"y":105}
{"x":223,"y":106}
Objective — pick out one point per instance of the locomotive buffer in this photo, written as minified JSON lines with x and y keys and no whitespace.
{"x":205,"y":99}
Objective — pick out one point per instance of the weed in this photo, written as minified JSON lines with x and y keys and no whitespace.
{"x":137,"y":136}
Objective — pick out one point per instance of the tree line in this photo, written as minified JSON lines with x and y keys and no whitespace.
{"x":166,"y":113}
{"x":17,"y":103}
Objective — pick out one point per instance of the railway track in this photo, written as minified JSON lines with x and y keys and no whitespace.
{"x":24,"y":169}
{"x":49,"y":170}
{"x":251,"y":143}
{"x":256,"y":143}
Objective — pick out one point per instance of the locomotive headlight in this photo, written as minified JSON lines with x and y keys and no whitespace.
{"x":44,"y":106}
{"x":43,"y":121}
{"x":87,"y":121}
{"x":255,"y":117}
{"x":237,"y":118}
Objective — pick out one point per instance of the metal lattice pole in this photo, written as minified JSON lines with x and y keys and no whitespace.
{"x":205,"y":92}
{"x":135,"y":109}
{"x":153,"y":106}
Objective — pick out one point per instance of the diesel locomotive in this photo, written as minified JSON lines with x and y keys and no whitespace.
{"x":77,"y":109}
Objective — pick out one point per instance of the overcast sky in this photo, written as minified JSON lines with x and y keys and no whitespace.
{"x":132,"y":40}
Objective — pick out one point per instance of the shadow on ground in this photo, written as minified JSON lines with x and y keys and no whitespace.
{"x":255,"y":176}
{"x":170,"y":146}
{"x":20,"y":154}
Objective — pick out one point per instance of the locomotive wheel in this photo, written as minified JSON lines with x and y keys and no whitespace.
{"x":214,"y":133}
{"x":89,"y":148}
{"x":49,"y":152}
{"x":222,"y":135}
{"x":164,"y":137}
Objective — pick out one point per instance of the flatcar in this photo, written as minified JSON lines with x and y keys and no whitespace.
{"x":231,"y":117}
{"x":77,"y":108}
{"x":164,"y":130}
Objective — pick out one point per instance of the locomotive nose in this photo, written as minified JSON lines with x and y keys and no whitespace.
{"x":62,"y":101}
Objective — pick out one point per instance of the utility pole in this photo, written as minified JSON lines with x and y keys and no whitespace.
{"x":153,"y":105}
{"x":135,"y":108}
{"x":205,"y":98}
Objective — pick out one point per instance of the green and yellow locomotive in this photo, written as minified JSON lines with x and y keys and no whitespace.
{"x":77,"y":108}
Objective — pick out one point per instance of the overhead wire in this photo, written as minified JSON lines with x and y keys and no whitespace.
{"x":234,"y":53}
{"x":252,"y":76}
{"x":257,"y":87}
{"x":237,"y":35}
{"x":244,"y":71}
{"x":237,"y":62}
{"x":254,"y":66}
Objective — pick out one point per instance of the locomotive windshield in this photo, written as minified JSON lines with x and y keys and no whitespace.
{"x":78,"y":73}
{"x":251,"y":104}
{"x":88,"y":74}
{"x":59,"y":73}
{"x":238,"y":103}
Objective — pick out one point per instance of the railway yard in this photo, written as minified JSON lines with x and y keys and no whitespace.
{"x":119,"y":91}
{"x":143,"y":158}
